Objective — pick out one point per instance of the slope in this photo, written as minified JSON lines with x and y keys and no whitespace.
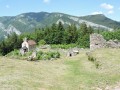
{"x":67,"y":73}
{"x":27,"y":22}
{"x":102,"y":20}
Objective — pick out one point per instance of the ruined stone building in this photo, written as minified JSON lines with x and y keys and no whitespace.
{"x":98,"y":41}
{"x":28,"y":45}
{"x":73,"y":52}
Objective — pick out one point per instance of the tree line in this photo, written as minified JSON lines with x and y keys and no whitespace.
{"x":55,"y":34}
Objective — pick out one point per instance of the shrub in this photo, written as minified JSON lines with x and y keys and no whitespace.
{"x":97,"y":64}
{"x":14,"y":53}
{"x":93,"y":59}
{"x":56,"y":55}
{"x":47,"y":55}
{"x":50,"y":55}
{"x":39,"y":55}
{"x":42,"y":42}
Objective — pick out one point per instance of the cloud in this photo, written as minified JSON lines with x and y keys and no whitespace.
{"x":110,"y":12}
{"x":46,"y":1}
{"x":107,"y":6}
{"x":7,"y":6}
{"x":99,"y":12}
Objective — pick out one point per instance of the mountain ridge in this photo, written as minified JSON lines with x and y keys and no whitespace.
{"x":102,"y":18}
{"x":27,"y":22}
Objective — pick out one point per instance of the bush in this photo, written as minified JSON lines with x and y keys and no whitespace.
{"x":42,"y":42}
{"x":28,"y":53}
{"x":39,"y":55}
{"x":93,"y":59}
{"x":47,"y":55}
{"x":14,"y":53}
{"x":56,"y":55}
{"x":97,"y":64}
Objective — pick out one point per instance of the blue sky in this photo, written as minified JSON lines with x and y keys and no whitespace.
{"x":110,"y":8}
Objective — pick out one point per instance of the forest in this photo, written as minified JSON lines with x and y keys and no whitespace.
{"x":57,"y":34}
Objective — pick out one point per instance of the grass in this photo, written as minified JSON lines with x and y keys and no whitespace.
{"x":66,"y":73}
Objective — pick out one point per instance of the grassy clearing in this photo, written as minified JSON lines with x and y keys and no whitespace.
{"x":67,"y":73}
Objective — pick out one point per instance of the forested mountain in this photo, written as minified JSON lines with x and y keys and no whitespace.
{"x":27,"y":22}
{"x":102,"y":20}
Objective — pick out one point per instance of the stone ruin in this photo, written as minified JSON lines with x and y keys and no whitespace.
{"x":72,"y":52}
{"x":98,"y":41}
{"x":113,"y":44}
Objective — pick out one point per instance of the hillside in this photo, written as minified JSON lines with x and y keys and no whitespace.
{"x":67,"y":73}
{"x":102,"y":20}
{"x":27,"y":22}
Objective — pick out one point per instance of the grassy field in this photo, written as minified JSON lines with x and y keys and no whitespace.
{"x":66,"y":73}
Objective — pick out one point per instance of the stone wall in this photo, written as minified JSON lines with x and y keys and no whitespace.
{"x":113,"y":44}
{"x":98,"y":41}
{"x":73,"y":52}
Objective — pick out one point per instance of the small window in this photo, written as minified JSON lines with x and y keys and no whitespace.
{"x":96,"y":43}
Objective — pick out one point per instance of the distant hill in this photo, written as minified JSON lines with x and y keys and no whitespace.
{"x":102,"y":20}
{"x":27,"y":22}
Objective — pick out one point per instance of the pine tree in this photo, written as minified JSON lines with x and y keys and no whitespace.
{"x":47,"y":35}
{"x":53,"y":33}
{"x":71,"y":34}
{"x":84,"y":35}
{"x":83,"y":29}
{"x":60,"y":34}
{"x":90,"y":30}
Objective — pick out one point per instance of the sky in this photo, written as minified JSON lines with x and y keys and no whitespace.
{"x":110,"y":8}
